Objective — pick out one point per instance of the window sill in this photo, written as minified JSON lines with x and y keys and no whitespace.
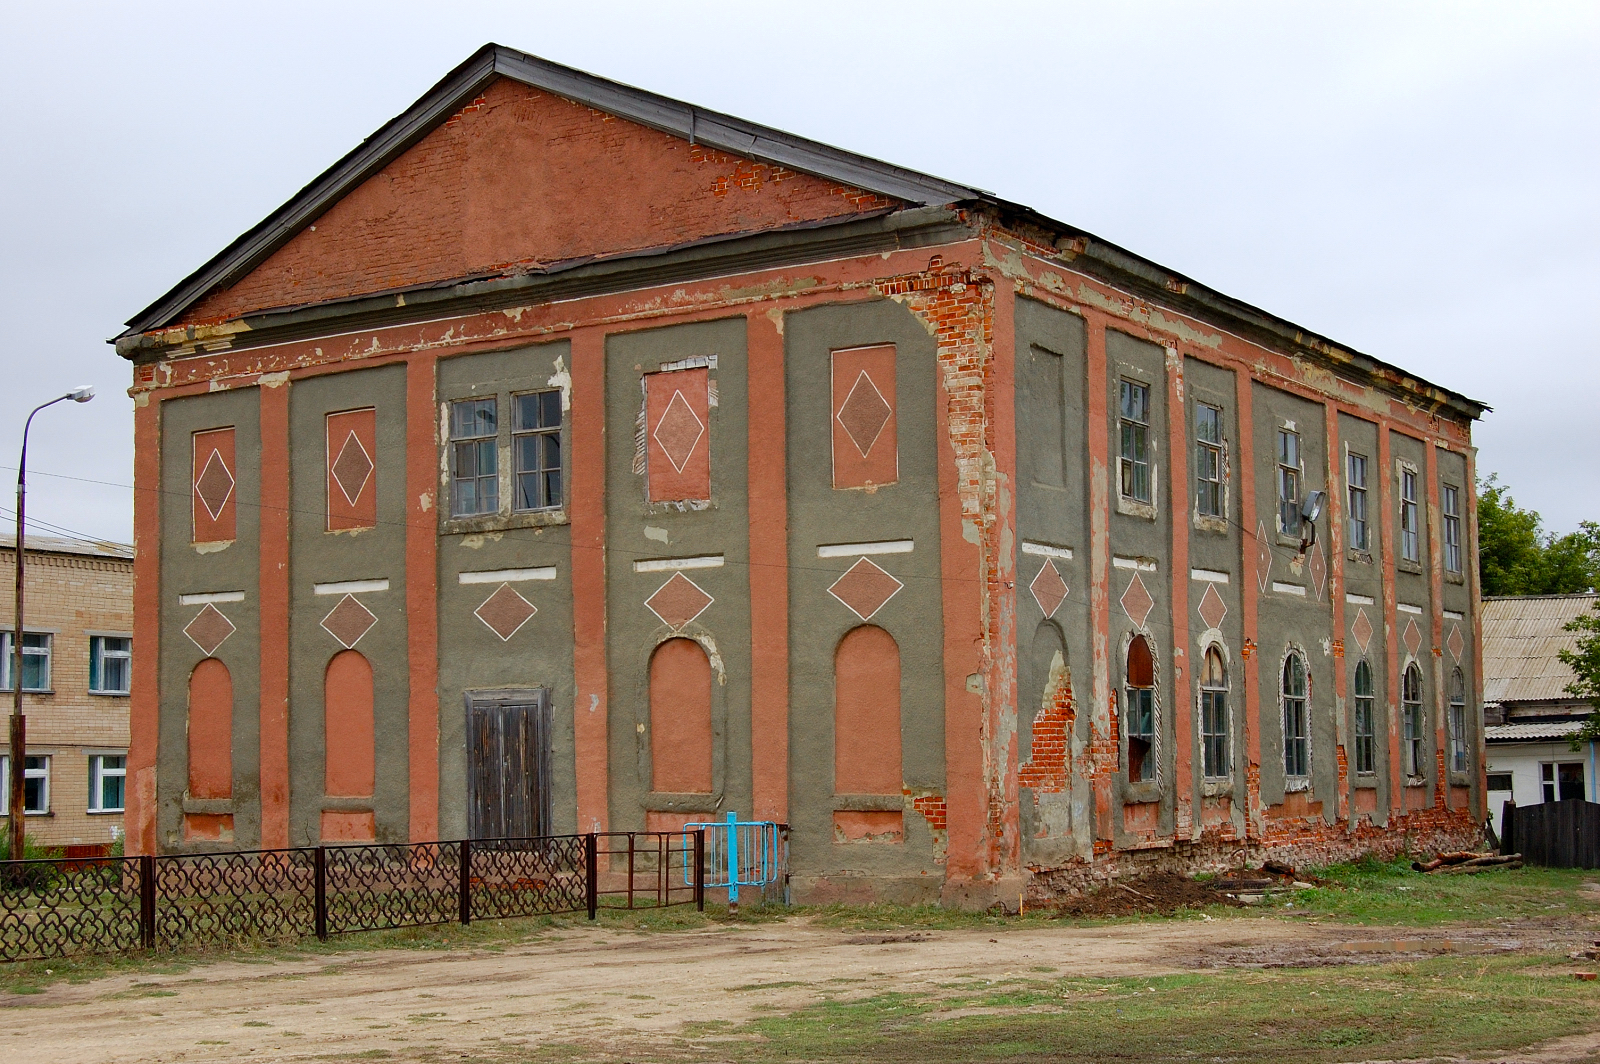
{"x":104,"y":812}
{"x":1362,"y":557}
{"x":1214,"y":525}
{"x":111,"y":694}
{"x":1416,"y":781}
{"x":1296,"y":784}
{"x":1460,"y":779}
{"x":1454,"y":578}
{"x":1404,"y":566}
{"x":498,"y":522}
{"x":1141,"y":791}
{"x":1134,"y":508}
{"x":1366,"y":780}
{"x":1217,"y":787}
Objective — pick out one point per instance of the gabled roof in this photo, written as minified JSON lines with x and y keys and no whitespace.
{"x":1521,"y":636}
{"x":463,"y":85}
{"x":759,"y":143}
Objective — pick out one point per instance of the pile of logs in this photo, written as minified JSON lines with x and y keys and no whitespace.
{"x":1466,"y":862}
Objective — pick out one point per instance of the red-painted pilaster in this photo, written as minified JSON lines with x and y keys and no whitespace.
{"x":274,"y":584}
{"x":422,"y":593}
{"x":589,"y":576}
{"x":769,"y":570}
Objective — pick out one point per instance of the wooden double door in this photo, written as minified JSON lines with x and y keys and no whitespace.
{"x":508,"y":763}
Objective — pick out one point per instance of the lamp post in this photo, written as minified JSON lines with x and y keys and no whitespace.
{"x":19,"y":724}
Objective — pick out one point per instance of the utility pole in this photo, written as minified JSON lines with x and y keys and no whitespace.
{"x":19,"y":723}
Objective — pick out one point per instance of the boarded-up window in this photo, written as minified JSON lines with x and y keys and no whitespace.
{"x":866,"y":720}
{"x":678,"y":435}
{"x":680,"y":718}
{"x":865,"y":438}
{"x":352,"y":470}
{"x":210,"y":730}
{"x":213,"y":500}
{"x":1041,"y":425}
{"x":347,"y":713}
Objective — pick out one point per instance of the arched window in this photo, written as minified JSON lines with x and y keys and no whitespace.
{"x":1366,"y":737}
{"x":350,"y":764}
{"x":1296,"y":721}
{"x":680,"y":718}
{"x":1214,"y":715}
{"x":1458,"y":722}
{"x":1411,"y":715}
{"x":210,"y":730}
{"x":1139,"y":718}
{"x":866,"y":713}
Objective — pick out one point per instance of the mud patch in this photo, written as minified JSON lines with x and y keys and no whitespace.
{"x":1158,"y":893}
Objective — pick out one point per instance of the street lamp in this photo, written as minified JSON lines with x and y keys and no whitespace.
{"x":19,"y":726}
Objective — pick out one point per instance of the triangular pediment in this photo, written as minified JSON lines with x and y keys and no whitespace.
{"x":514,"y":163}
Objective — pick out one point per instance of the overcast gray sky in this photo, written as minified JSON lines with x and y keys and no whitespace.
{"x":1417,"y":181}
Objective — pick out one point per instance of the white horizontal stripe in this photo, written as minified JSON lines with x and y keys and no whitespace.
{"x":1134,"y":563}
{"x":883,"y":546}
{"x":351,"y":587}
{"x":1288,"y":589}
{"x":1406,"y":607}
{"x":661,"y":565}
{"x":507,"y":576}
{"x":210,"y":596}
{"x":1358,"y":600}
{"x":1044,"y":550}
{"x":1209,"y":575}
{"x":1454,"y":616}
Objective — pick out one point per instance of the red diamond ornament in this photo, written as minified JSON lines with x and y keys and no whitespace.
{"x":1212,"y":608}
{"x":209,"y":629}
{"x":1361,"y":630}
{"x":679,"y":431}
{"x":1049,"y":590}
{"x":678,"y":601}
{"x":864,"y":413}
{"x":864,"y":588}
{"x":214,"y":485}
{"x":505,"y":612}
{"x":352,"y":469}
{"x":1456,"y":643}
{"x":1136,"y":601}
{"x":1319,"y":571}
{"x":349,"y":621}
{"x":1263,"y":556}
{"x":1413,"y":636}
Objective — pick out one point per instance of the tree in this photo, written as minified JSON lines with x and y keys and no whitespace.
{"x":1584,"y":661}
{"x":1517,"y":557}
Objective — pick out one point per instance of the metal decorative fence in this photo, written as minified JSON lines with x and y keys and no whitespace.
{"x":59,"y":908}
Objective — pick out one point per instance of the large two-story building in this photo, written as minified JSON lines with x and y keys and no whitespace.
{"x":568,"y":458}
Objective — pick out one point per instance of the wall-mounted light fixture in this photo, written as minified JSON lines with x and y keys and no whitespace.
{"x":1310,"y":510}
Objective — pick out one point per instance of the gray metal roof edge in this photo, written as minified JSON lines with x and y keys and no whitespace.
{"x":462,"y":85}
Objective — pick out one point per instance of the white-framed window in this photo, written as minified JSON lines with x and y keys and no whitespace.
{"x":110,"y":665}
{"x":1214,"y":716}
{"x":1356,"y":480}
{"x":536,"y":446}
{"x":1366,"y":734}
{"x":1288,"y":482}
{"x":1134,"y":458}
{"x":35,"y":661}
{"x":1561,"y":781}
{"x":475,"y":457}
{"x":1458,"y":722}
{"x":1296,"y":719}
{"x":1412,"y":718}
{"x":1208,"y":460}
{"x":1139,"y":721}
{"x":108,"y":777}
{"x":1450,"y":504}
{"x":1410,"y":539}
{"x":35,"y":784}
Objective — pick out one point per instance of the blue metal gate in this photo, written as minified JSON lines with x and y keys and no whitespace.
{"x":742,"y":853}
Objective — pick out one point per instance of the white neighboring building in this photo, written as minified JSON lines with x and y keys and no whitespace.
{"x":1527,"y":712}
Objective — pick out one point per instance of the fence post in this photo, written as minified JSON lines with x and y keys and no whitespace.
{"x":464,"y":885}
{"x":733,"y":864}
{"x":147,"y":901}
{"x":320,"y":865}
{"x":591,"y":872}
{"x":700,"y":869}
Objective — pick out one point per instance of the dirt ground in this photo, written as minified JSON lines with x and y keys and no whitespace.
{"x":609,"y":989}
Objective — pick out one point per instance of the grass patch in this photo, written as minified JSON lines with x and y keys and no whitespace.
{"x":1379,"y":892}
{"x":1444,"y":1005}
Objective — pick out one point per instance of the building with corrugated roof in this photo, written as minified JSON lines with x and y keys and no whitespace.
{"x":1529,"y":716}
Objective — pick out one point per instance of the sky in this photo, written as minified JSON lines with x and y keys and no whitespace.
{"x":1416,"y":181}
